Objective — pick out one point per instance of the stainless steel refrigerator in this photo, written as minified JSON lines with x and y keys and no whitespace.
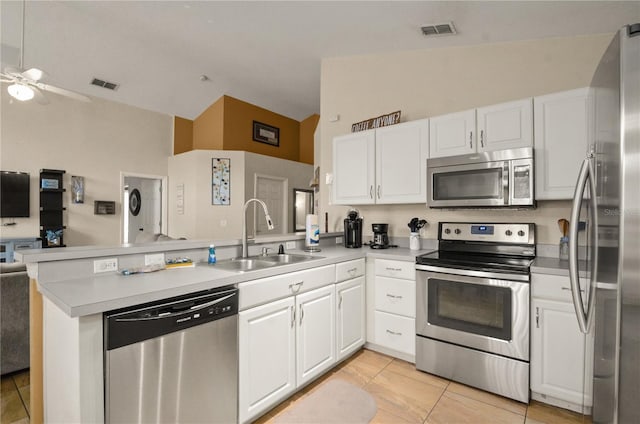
{"x":607,"y":197}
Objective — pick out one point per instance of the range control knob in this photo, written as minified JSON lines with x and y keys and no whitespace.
{"x":521,"y":233}
{"x":447,"y":231}
{"x":457,"y":231}
{"x":508,"y":232}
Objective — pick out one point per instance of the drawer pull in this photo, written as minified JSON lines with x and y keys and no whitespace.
{"x":301,"y":315}
{"x":568,"y":289}
{"x":394,"y":333}
{"x":352,"y":271}
{"x":393,"y":296}
{"x":293,"y":316}
{"x":295,"y":287}
{"x":537,"y":317}
{"x":393,"y":269}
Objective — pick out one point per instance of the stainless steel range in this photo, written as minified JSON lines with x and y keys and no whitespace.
{"x":472,"y":312}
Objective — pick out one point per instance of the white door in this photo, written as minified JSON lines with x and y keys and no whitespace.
{"x":505,"y":125}
{"x":401,"y":162}
{"x":452,"y":134}
{"x":561,"y":123}
{"x":142,"y":214}
{"x":354,"y":168}
{"x":316,"y":334}
{"x":273,"y":191}
{"x":266,"y":349}
{"x":558,"y":352}
{"x":350,"y":316}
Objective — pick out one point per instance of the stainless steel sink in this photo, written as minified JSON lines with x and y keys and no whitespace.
{"x":261,"y":262}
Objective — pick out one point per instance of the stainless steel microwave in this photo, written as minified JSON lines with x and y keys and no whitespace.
{"x":488,"y":179}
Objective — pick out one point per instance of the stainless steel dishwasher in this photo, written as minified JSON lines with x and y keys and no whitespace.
{"x":173,"y":361}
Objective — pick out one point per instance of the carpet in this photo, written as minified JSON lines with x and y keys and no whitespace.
{"x":333,"y":402}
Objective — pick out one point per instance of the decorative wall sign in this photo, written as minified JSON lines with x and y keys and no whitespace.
{"x":104,"y":207}
{"x":220,"y":181}
{"x":264,"y":133}
{"x":77,"y":189}
{"x":380,"y":121}
{"x":135,"y":202}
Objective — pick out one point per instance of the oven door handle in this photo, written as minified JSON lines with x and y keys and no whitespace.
{"x":473,"y":273}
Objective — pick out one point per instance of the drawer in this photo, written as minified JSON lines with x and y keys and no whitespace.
{"x":555,"y":287}
{"x":396,"y":269}
{"x":395,"y":332}
{"x":396,"y":296}
{"x":265,"y":290}
{"x":350,"y":269}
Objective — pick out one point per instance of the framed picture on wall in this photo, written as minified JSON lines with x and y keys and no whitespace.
{"x":267,"y":134}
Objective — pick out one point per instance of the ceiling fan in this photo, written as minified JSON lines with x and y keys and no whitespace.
{"x":26,"y":85}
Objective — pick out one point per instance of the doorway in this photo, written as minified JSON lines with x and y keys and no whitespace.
{"x":144,"y":207}
{"x":273,"y":192}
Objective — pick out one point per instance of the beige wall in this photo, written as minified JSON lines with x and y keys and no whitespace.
{"x":307,"y":130}
{"x":96,"y":140}
{"x":438,"y":81}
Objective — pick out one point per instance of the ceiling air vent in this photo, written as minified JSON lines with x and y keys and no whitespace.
{"x":104,"y":84}
{"x":439,"y":29}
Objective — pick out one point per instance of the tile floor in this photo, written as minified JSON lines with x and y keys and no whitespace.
{"x":14,"y":398}
{"x":405,"y":395}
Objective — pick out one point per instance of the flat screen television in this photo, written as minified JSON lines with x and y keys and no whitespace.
{"x":14,"y":194}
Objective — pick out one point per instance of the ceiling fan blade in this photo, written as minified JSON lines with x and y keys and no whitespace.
{"x":13,"y":72}
{"x":33,"y":74}
{"x":62,"y":92}
{"x":39,"y":96}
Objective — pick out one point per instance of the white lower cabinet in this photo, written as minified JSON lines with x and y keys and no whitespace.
{"x":561,"y":356}
{"x":350,"y":316}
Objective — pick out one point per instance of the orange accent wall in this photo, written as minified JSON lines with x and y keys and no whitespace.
{"x":307,"y":129}
{"x":208,"y":128}
{"x":182,"y":135}
{"x":238,"y":130}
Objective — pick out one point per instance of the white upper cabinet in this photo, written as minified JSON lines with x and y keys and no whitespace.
{"x":354,"y":168}
{"x":505,"y":126}
{"x":401,"y":162}
{"x":452,"y":134}
{"x":386,"y":165}
{"x":496,"y":127}
{"x":561,"y":141}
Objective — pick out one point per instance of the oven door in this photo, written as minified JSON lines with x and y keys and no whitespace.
{"x":478,"y":184}
{"x":481,"y":310}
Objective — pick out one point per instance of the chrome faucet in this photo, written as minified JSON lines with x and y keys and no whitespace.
{"x":245,"y":251}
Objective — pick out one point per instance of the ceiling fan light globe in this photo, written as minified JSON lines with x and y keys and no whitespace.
{"x":20,"y":92}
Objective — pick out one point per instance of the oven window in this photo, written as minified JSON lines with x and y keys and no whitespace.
{"x":473,"y":184}
{"x":472,"y":308}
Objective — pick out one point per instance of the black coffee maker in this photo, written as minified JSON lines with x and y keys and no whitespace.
{"x":380,"y":236}
{"x":352,"y":230}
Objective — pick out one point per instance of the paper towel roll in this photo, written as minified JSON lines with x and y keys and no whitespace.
{"x":312,"y":238}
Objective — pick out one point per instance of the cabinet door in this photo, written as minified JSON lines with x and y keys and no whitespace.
{"x":558,"y":352}
{"x":561,"y":123}
{"x":505,"y":125}
{"x":266,"y":356}
{"x":452,"y":134}
{"x":354,"y":168}
{"x":316,"y":334}
{"x":401,"y":162}
{"x":350,"y":316}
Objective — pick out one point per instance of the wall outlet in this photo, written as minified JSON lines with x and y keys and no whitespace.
{"x":155,"y":259}
{"x":328,"y":178}
{"x":338,"y":240}
{"x":290,"y":245}
{"x":105,"y":265}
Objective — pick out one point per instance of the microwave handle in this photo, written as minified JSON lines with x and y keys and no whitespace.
{"x":507,"y":182}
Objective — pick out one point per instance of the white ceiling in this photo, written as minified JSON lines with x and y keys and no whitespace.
{"x":264,"y":52}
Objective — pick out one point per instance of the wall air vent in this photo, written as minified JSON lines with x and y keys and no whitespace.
{"x":104,"y":84}
{"x":439,"y":29}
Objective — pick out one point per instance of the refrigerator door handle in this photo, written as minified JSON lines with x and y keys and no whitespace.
{"x":586,"y":174}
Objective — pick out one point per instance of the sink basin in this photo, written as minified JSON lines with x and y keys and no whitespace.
{"x":261,"y":262}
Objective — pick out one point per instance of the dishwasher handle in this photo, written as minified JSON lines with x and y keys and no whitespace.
{"x":189,"y":309}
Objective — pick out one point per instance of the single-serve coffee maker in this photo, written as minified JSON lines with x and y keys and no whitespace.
{"x":352,"y":230}
{"x":380,"y":236}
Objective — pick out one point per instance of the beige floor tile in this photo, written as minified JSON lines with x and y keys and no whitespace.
{"x":486,"y":397}
{"x":11,"y":408}
{"x":532,"y":421}
{"x":21,"y":421}
{"x":361,"y":372}
{"x":409,"y":370}
{"x":385,"y":417}
{"x":551,"y":415}
{"x":25,"y":394}
{"x":265,"y":419}
{"x":405,"y":397}
{"x":21,"y":379}
{"x":372,"y":358}
{"x":455,"y":408}
{"x":7,"y":385}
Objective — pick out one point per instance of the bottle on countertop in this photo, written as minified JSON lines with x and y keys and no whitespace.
{"x":563,"y":252}
{"x":212,"y":254}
